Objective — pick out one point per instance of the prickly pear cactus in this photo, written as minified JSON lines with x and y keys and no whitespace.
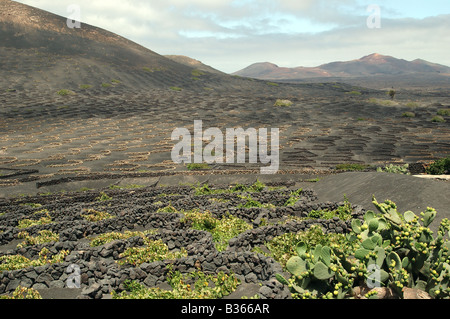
{"x":386,"y":249}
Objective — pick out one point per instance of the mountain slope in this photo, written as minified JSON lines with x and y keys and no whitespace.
{"x":198,"y":65}
{"x":38,"y":51}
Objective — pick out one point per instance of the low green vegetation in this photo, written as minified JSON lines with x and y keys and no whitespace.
{"x":14,"y":262}
{"x":412,"y":104}
{"x":222,"y":229}
{"x":392,"y":94}
{"x":23,"y":293}
{"x":408,"y":114}
{"x":283,"y":103}
{"x":65,"y":92}
{"x":294,"y":197}
{"x":438,"y":119}
{"x":103,"y":197}
{"x":272,"y":84}
{"x":250,"y":202}
{"x":175,"y":88}
{"x":354,"y":93}
{"x":195,"y":285}
{"x":45,"y":236}
{"x":342,"y":212}
{"x":85,"y":86}
{"x":205,"y":189}
{"x":93,"y":215}
{"x":386,"y":249}
{"x":381,"y":102}
{"x":396,"y":169}
{"x":444,"y":112}
{"x":197,"y":73}
{"x":283,"y":247}
{"x":439,"y":167}
{"x":154,"y":250}
{"x":25,"y":223}
{"x":109,"y":237}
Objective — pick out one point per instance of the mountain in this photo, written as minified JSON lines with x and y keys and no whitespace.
{"x":371,"y":65}
{"x":40,"y":52}
{"x":193,"y":63}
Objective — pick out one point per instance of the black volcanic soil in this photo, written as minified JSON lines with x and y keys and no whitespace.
{"x":115,"y":128}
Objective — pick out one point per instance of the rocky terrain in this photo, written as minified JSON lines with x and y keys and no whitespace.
{"x":139,"y":210}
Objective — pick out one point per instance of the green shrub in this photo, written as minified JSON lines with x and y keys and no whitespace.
{"x":109,"y":237}
{"x":391,"y":94}
{"x":294,"y":197}
{"x":222,"y":230}
{"x":282,"y":103}
{"x":175,"y":88}
{"x":396,"y":169}
{"x":409,"y":114}
{"x":103,"y":197}
{"x":354,"y":93}
{"x":412,"y":104}
{"x":439,"y":167}
{"x":444,"y":112}
{"x":93,"y":215}
{"x":25,"y":223}
{"x":283,"y":247}
{"x":195,"y":285}
{"x":65,"y":92}
{"x":238,"y":188}
{"x":45,"y":236}
{"x":154,"y":250}
{"x":197,"y":73}
{"x":14,"y":262}
{"x":342,"y":212}
{"x":23,"y":293}
{"x":438,"y":119}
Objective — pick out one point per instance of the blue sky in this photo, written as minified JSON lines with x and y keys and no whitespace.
{"x":232,"y":34}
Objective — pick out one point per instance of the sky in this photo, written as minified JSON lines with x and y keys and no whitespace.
{"x":230,"y":35}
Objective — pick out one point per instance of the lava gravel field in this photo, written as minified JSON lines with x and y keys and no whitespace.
{"x":159,"y":213}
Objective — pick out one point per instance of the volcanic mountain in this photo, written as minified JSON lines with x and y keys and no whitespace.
{"x":38,"y":50}
{"x":371,"y":66}
{"x":193,"y":63}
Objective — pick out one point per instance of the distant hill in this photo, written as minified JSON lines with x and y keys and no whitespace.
{"x":371,"y":65}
